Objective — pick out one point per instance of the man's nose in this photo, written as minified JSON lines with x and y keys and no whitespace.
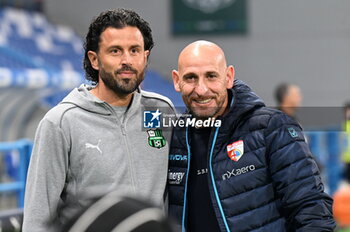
{"x":201,"y":87}
{"x":126,"y":58}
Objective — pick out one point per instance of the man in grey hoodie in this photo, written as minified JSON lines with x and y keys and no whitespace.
{"x":94,"y":139}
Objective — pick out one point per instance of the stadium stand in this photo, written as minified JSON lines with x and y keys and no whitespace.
{"x":36,"y":53}
{"x":39,"y":61}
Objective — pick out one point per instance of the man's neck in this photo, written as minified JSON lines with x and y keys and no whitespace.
{"x":288,"y":110}
{"x":105,"y":94}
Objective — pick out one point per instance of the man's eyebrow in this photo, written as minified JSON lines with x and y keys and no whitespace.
{"x":211,"y":72}
{"x":135,"y":46}
{"x":121,"y":48}
{"x":115,"y":46}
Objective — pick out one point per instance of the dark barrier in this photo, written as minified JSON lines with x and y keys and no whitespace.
{"x":11,"y":220}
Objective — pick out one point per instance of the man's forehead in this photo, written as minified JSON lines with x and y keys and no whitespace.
{"x":200,"y":70}
{"x":127,"y":33}
{"x":201,"y":63}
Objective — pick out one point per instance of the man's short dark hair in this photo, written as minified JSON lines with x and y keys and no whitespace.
{"x":118,"y":18}
{"x":347,"y":104}
{"x":281,"y":92}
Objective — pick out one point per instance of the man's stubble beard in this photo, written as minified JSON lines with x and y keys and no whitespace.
{"x":202,"y":114}
{"x":121,"y":86}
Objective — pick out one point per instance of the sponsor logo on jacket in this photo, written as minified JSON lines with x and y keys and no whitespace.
{"x":177,"y":157}
{"x":238,"y":171}
{"x":292,"y":132}
{"x":175,"y":177}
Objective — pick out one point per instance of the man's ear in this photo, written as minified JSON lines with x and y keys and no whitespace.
{"x":176,"y":80}
{"x":230,"y":76}
{"x":93,"y":60}
{"x":146,"y":55}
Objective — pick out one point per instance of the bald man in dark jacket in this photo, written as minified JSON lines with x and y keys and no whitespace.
{"x":252,"y":171}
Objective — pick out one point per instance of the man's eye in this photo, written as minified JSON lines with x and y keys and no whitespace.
{"x":134,"y":50}
{"x":115,"y":51}
{"x":212,"y":75}
{"x":189,"y":78}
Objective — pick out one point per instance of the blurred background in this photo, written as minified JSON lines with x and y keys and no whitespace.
{"x":306,"y":43}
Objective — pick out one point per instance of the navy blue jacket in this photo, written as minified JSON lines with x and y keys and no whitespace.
{"x":274,"y":186}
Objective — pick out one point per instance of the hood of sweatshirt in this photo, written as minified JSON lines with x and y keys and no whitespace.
{"x":82,"y":98}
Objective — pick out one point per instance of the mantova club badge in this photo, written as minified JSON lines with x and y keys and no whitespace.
{"x":235,"y":150}
{"x":156,"y":138}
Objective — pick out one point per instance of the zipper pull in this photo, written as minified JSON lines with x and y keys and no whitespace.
{"x":123,"y":129}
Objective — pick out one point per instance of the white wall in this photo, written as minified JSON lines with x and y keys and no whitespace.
{"x":306,"y":42}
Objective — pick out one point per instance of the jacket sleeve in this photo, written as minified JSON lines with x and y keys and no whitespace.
{"x":296,"y":177}
{"x":46,"y":177}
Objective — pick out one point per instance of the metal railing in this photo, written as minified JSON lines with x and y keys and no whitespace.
{"x":325,"y":145}
{"x":24,"y":148}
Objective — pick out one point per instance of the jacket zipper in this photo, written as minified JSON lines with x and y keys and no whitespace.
{"x":213,"y":180}
{"x":184,"y":210}
{"x":129,"y":154}
{"x":122,"y":127}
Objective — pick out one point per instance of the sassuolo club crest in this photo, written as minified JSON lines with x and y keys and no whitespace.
{"x":156,"y":138}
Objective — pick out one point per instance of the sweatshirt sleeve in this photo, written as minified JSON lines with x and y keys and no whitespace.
{"x":296,"y":177}
{"x":46,"y":176}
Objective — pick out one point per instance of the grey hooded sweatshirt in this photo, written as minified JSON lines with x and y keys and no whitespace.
{"x":83,"y":144}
